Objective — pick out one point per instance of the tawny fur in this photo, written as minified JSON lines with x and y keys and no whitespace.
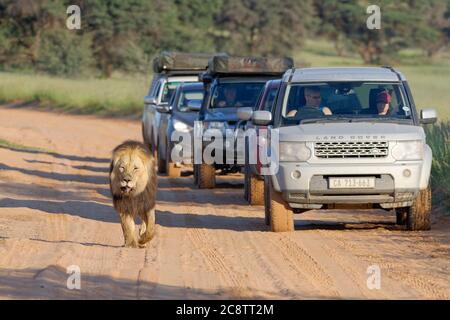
{"x":133,"y":187}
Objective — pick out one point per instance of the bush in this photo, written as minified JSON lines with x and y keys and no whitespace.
{"x":63,"y":52}
{"x":437,"y":139}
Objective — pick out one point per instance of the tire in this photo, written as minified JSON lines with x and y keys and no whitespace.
{"x":419,"y":214}
{"x":161,"y":163}
{"x":281,"y":216}
{"x":266,"y":201}
{"x":401,"y":215}
{"x":246,"y":170}
{"x":171,"y":169}
{"x":144,"y":139}
{"x":255,"y":190}
{"x":246,"y":183}
{"x":195,"y":169}
{"x":206,"y":176}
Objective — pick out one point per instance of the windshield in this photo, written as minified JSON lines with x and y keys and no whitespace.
{"x":235,"y":95}
{"x":169,"y":90}
{"x":189,"y":95}
{"x":344,"y":101}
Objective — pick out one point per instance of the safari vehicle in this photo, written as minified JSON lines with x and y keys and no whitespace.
{"x":231,"y":83}
{"x":361,"y":145}
{"x":253,"y":180}
{"x":170,"y":69}
{"x":178,"y":117}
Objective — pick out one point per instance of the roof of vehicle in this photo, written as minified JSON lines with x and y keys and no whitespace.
{"x":384,"y":74}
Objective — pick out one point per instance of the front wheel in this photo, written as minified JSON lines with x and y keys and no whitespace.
{"x":172,"y":170}
{"x":206,"y":176}
{"x":255,"y":190}
{"x":281,"y":216}
{"x":161,"y":162}
{"x":418,"y":216}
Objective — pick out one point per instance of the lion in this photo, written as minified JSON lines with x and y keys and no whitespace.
{"x":132,"y":178}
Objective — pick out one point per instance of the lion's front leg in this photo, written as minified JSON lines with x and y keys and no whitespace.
{"x":148,"y":222}
{"x":128,"y":228}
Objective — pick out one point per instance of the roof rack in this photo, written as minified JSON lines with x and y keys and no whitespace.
{"x":179,"y":62}
{"x":224,"y":64}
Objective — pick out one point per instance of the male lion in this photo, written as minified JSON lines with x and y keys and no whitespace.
{"x":132,"y":178}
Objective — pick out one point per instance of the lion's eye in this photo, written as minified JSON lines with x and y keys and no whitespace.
{"x":136,"y":168}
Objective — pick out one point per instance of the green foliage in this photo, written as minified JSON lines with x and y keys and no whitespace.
{"x":404,"y":24}
{"x":438,"y":140}
{"x":250,"y":28}
{"x":64,"y":53}
{"x":123,"y":36}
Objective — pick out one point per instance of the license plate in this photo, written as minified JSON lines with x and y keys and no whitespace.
{"x":352,"y":183}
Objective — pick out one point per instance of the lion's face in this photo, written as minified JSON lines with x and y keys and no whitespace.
{"x":130,"y":174}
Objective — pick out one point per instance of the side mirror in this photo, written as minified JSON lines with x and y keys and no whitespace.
{"x":428,"y":116}
{"x":194,"y":105}
{"x":244,"y":114}
{"x":149,"y":100}
{"x":163,"y":108}
{"x":261,"y":118}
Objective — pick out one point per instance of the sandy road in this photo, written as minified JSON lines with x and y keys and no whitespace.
{"x":55,"y":212}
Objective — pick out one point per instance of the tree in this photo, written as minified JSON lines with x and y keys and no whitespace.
{"x":262,"y":27}
{"x":22,"y":23}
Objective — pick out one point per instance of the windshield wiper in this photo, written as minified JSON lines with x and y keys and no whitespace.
{"x":327,"y":119}
{"x":352,"y":119}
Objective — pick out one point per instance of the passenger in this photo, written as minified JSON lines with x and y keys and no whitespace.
{"x":230,"y":94}
{"x":383,"y":103}
{"x":312,"y":100}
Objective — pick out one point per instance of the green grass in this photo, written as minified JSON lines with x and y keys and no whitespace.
{"x":20,"y":147}
{"x":429,"y":80}
{"x":115,"y":96}
{"x":438,"y":140}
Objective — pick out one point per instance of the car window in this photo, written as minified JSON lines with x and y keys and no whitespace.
{"x":168,"y":91}
{"x":344,"y":99}
{"x":154,"y":91}
{"x":186,"y":96}
{"x":236,"y":94}
{"x":268,"y":104}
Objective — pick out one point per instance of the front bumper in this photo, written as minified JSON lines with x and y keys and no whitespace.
{"x":396,"y":184}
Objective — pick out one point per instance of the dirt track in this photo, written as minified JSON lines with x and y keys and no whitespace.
{"x":55,"y":211}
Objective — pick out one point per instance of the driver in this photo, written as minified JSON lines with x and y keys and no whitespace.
{"x":383,"y":103}
{"x":312,"y":99}
{"x":230,"y":94}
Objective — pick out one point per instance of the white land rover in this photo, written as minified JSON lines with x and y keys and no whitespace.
{"x":348,"y":137}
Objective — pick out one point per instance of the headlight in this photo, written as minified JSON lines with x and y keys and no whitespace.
{"x":181,"y":126}
{"x":408,"y":150}
{"x":294,"y":152}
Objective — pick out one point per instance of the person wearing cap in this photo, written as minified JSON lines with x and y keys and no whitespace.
{"x":383,"y":103}
{"x":313,"y":99}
